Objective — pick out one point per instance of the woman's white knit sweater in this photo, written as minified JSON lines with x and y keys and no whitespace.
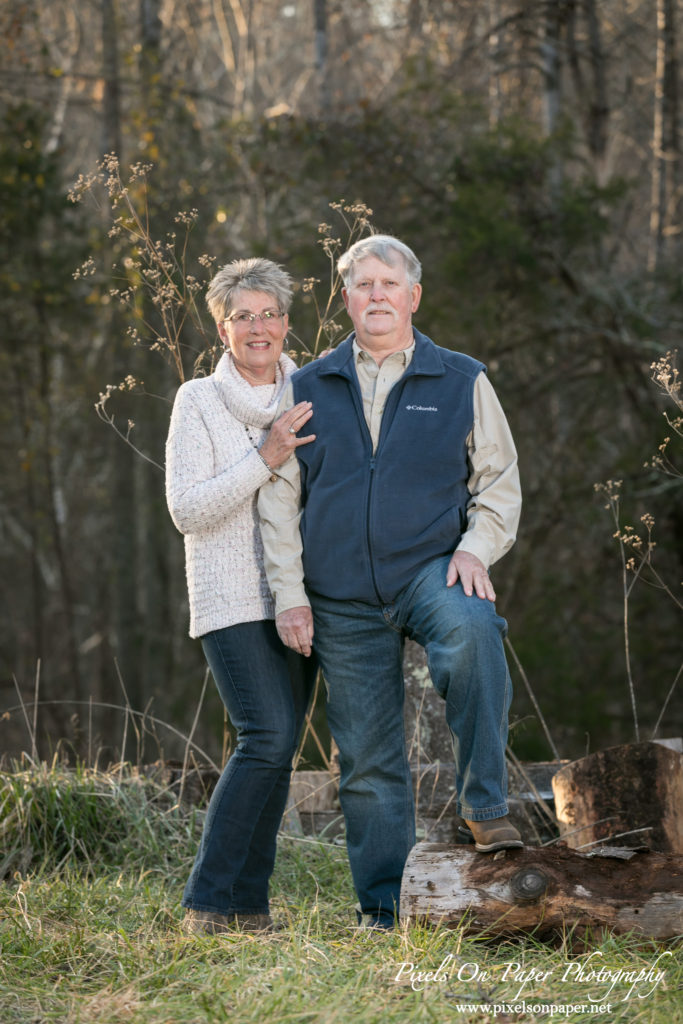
{"x":213,"y":474}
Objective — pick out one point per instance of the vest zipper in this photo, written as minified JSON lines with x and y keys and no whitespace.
{"x":367,"y":529}
{"x":387,"y":418}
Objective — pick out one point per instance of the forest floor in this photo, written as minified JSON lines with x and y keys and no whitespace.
{"x":90,"y":931}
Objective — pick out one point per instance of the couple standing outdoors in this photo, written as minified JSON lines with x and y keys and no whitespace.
{"x":329,"y":513}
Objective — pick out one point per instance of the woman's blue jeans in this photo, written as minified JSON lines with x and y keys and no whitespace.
{"x":266,"y":690}
{"x":360,"y":647}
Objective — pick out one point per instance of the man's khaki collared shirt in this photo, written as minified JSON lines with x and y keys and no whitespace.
{"x":492,"y":512}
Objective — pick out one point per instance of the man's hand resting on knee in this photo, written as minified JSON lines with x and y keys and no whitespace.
{"x":472,"y":573}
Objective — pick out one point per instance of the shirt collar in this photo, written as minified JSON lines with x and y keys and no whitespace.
{"x":404,"y":354}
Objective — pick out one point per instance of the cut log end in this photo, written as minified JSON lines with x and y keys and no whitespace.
{"x":631,"y":795}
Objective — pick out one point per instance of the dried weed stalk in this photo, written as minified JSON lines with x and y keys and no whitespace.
{"x":667,"y":378}
{"x":356,"y":223}
{"x":152,"y":281}
{"x":149,"y":278}
{"x":636,"y":544}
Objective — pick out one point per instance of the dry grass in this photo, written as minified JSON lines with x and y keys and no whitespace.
{"x":90,"y":932}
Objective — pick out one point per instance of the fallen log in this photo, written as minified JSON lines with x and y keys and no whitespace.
{"x":630,"y":795}
{"x":544,"y":890}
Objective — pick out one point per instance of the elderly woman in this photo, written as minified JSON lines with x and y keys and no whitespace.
{"x":223,"y":444}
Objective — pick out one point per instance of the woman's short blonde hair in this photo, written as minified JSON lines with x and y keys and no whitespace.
{"x":252,"y":275}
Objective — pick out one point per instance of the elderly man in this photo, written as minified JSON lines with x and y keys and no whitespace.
{"x":382,"y":528}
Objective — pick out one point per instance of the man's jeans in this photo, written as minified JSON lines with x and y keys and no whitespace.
{"x":266,"y":690}
{"x":360,"y":647}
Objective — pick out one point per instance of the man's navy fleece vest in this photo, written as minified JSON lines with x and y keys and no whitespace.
{"x":371,"y":522}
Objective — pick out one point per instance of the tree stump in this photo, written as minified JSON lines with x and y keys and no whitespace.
{"x":428,"y":738}
{"x":545,"y":890}
{"x":190,"y":783}
{"x":630,"y":795}
{"x":315,"y":795}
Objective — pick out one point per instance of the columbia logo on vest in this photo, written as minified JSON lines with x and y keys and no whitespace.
{"x":422,"y":408}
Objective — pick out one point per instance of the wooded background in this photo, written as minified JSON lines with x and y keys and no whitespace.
{"x":530,"y":155}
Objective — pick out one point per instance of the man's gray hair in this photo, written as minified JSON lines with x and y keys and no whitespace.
{"x":385,"y":248}
{"x":252,"y":275}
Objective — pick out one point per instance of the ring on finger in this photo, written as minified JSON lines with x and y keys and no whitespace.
{"x":292,"y":430}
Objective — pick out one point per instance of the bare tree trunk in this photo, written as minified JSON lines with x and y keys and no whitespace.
{"x":111,"y":121}
{"x":43,"y":527}
{"x":237,"y":48}
{"x":495,"y":45}
{"x":122,"y":511}
{"x":250,"y":63}
{"x":592,"y":92}
{"x":321,"y":64}
{"x":552,"y":85}
{"x":550,"y":54}
{"x":599,"y":110}
{"x":229,"y":46}
{"x":665,"y":137}
{"x":150,"y":636}
{"x":25,"y":416}
{"x":414,"y":15}
{"x":59,"y":116}
{"x":150,"y":31}
{"x":55,"y":517}
{"x":124,"y":514}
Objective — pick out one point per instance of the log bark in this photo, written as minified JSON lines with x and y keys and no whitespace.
{"x":631,"y":795}
{"x":545,"y":890}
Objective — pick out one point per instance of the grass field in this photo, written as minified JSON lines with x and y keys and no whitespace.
{"x":94,"y":864}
